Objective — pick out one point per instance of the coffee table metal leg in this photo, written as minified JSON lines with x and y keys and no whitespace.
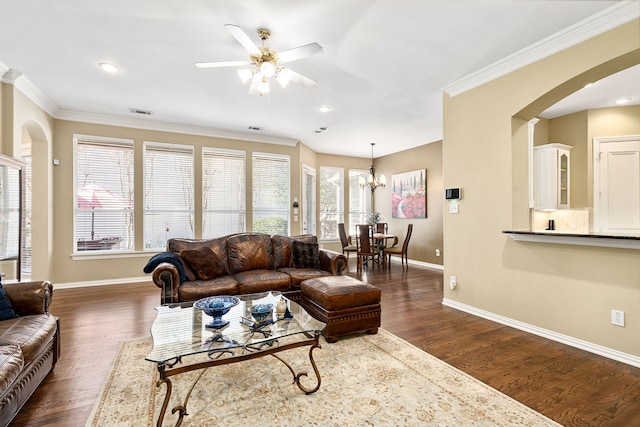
{"x":296,"y":377}
{"x":181,"y":409}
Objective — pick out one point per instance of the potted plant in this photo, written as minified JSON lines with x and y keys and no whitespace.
{"x":373,"y":218}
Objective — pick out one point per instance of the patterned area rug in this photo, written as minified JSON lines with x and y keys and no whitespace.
{"x":367,"y":380}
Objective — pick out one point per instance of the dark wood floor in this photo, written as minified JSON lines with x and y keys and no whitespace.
{"x":571,"y":386}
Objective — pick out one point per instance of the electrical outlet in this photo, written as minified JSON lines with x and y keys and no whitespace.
{"x":437,"y":252}
{"x":617,"y":317}
{"x":453,"y":282}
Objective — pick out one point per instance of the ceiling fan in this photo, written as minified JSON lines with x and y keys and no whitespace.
{"x":265,"y":63}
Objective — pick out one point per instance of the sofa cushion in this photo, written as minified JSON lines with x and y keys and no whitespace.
{"x":217,"y":245}
{"x":31,"y":333}
{"x":298,"y":275}
{"x":262,"y":280}
{"x":204,"y":263}
{"x":249,"y":251}
{"x":305,"y":255}
{"x":196,"y":289}
{"x":6,"y":311}
{"x":11,"y":364}
{"x":283,"y":248}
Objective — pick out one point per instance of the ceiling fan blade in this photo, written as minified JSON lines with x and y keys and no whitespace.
{"x":299,"y":52}
{"x":243,"y":38}
{"x":222,"y":64}
{"x":298,"y":78}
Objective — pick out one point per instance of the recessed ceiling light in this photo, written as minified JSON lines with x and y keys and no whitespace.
{"x":622,"y":101}
{"x":324,"y":108}
{"x":109,"y":68}
{"x":588,"y":85}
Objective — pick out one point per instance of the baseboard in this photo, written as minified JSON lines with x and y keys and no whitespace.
{"x":104,"y":282}
{"x":426,"y":264}
{"x":610,"y":353}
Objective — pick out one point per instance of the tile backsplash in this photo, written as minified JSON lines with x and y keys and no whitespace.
{"x":566,"y":220}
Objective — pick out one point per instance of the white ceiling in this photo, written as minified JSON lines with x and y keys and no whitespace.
{"x":383,"y":69}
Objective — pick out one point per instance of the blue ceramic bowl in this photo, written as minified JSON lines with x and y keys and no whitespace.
{"x":216,"y":307}
{"x":262,"y":312}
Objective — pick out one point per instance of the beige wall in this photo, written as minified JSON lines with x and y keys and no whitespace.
{"x":427,"y":232}
{"x":565,"y":289}
{"x":89,"y":268}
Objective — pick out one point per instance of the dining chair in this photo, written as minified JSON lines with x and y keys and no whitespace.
{"x":344,"y":240}
{"x":382,"y":227}
{"x":397,"y":250}
{"x":365,"y":247}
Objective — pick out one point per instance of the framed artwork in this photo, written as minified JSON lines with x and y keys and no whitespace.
{"x":409,"y":194}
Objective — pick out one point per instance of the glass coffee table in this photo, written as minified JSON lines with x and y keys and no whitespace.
{"x":183,"y":343}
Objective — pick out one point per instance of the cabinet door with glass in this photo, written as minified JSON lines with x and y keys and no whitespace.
{"x":551,"y":176}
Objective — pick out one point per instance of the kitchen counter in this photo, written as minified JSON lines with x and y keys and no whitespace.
{"x":568,"y":238}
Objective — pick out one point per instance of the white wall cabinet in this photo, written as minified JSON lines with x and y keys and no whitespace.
{"x":551,"y":176}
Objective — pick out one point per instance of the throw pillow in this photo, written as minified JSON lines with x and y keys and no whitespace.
{"x":6,"y":312}
{"x":305,"y":255}
{"x":204,"y":263}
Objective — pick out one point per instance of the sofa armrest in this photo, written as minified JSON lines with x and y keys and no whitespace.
{"x":166,"y":277}
{"x":29,"y":297}
{"x":332,"y":261}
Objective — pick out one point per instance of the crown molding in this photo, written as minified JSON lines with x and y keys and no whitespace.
{"x":606,"y":20}
{"x":136,"y":123}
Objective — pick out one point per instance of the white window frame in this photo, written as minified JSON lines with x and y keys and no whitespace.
{"x":126,"y":232}
{"x":260,"y":185}
{"x":232,"y":186}
{"x":153,"y":236}
{"x":359,"y":199}
{"x":331,"y":216}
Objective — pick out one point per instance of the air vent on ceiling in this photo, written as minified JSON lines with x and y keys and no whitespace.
{"x":320,"y":129}
{"x":256,"y":128}
{"x":139,"y":111}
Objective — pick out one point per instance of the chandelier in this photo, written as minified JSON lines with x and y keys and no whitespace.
{"x":372,"y":182}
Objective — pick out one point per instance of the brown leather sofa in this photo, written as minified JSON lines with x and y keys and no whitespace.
{"x":29,"y":345}
{"x":240,"y":264}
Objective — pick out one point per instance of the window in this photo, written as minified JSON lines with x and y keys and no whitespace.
{"x":359,"y":199}
{"x":270,"y":193}
{"x":223,"y":192}
{"x":103,"y":215}
{"x":308,"y":208}
{"x":331,"y":201}
{"x":168,"y":193}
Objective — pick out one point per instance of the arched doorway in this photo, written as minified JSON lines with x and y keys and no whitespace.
{"x":35,"y":152}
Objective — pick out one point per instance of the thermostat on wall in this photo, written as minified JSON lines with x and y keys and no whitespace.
{"x":452,"y":194}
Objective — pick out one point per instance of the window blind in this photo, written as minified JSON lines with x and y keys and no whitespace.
{"x":223,"y":192}
{"x":103,"y":218}
{"x":168,"y":193}
{"x":270,"y":185}
{"x":331,"y":201}
{"x":359,"y":199}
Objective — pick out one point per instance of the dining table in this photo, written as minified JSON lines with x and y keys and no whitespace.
{"x":380,"y":242}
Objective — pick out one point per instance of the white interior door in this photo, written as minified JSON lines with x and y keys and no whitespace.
{"x":308,"y":200}
{"x":616,"y":175}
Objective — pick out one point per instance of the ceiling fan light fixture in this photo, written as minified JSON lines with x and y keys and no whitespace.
{"x":267,"y":69}
{"x":245,"y":75}
{"x":263,"y":87}
{"x":282,"y":78}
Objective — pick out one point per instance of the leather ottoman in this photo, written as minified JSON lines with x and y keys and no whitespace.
{"x":345,"y":304}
